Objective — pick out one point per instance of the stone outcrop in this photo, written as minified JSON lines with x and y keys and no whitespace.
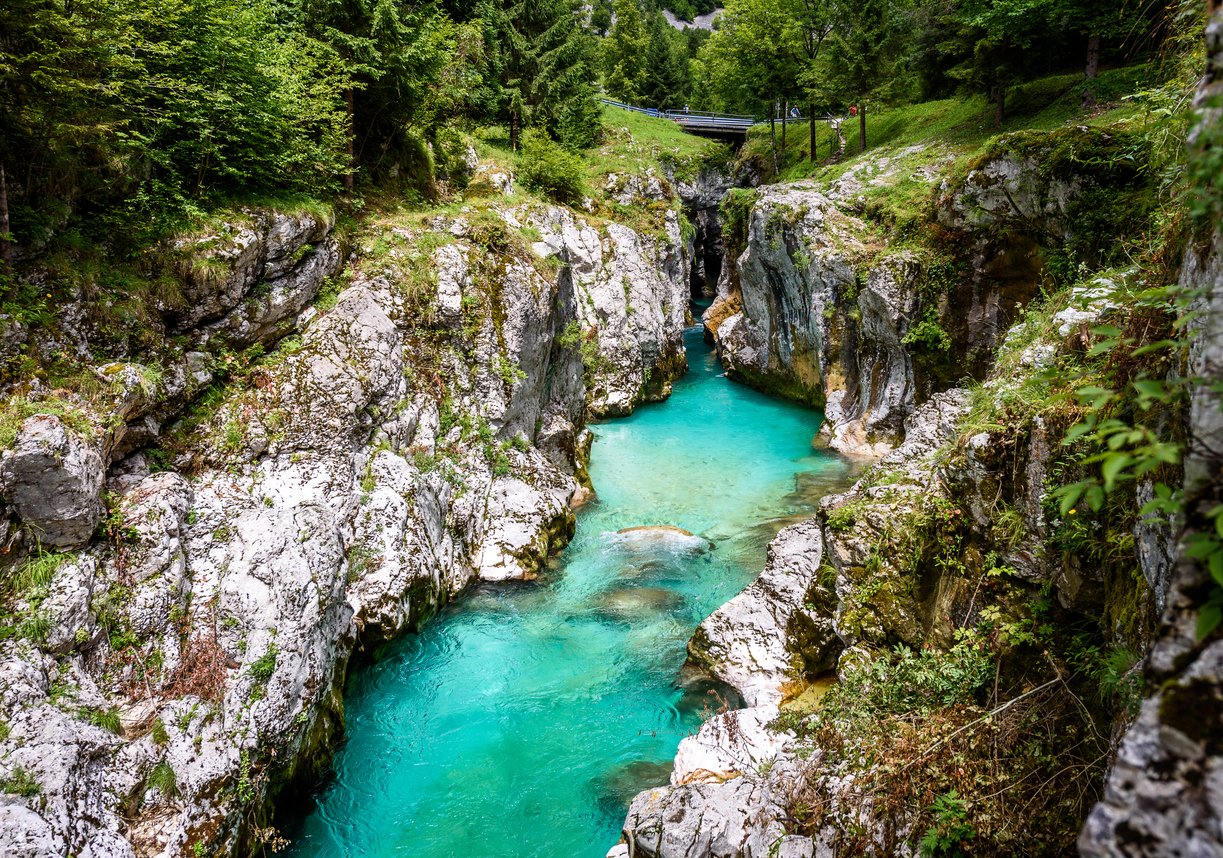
{"x":815,"y":308}
{"x":52,"y":479}
{"x":419,"y":433}
{"x":744,"y":643}
{"x":631,"y":295}
{"x":1164,"y":795}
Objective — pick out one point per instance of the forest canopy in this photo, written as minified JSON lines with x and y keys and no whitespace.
{"x":137,"y":112}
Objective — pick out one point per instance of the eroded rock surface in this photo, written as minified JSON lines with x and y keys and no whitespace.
{"x":179,"y":670}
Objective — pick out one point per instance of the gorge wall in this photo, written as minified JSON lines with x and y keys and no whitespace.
{"x":941,"y":586}
{"x":324,"y":440}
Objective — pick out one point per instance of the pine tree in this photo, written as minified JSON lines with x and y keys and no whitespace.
{"x":666,"y":81}
{"x":625,"y":54}
{"x":545,"y":64}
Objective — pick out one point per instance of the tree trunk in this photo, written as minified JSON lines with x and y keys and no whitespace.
{"x":6,"y":243}
{"x":513,"y":131}
{"x":352,"y":133}
{"x":862,"y":127}
{"x":1092,"y":70}
{"x":785,"y":115}
{"x":811,"y":128}
{"x":773,"y":138}
{"x":999,"y":105}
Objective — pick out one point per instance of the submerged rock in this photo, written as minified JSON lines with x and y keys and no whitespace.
{"x":658,"y":538}
{"x":636,"y":602}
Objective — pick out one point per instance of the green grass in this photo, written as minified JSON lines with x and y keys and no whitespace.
{"x":633,"y":142}
{"x":962,"y":126}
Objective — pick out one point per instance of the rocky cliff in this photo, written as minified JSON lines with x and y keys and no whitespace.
{"x":993,"y":610}
{"x":831,"y":298}
{"x":1164,"y":795}
{"x":325,"y":441}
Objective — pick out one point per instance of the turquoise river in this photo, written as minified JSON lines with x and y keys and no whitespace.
{"x":521,"y":720}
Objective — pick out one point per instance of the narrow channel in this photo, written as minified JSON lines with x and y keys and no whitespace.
{"x":522,"y":720}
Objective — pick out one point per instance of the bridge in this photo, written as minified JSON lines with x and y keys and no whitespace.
{"x":720,"y":126}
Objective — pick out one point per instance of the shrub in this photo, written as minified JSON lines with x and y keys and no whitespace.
{"x":547,"y":168}
{"x":262,"y":668}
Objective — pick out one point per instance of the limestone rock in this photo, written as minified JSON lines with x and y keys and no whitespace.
{"x":745,"y":642}
{"x":52,"y":478}
{"x":631,"y":293}
{"x":728,"y":745}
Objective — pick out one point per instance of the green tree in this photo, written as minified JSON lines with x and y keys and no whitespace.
{"x":161,"y":105}
{"x":1001,"y":35}
{"x":625,"y":52}
{"x":666,"y":78}
{"x":544,"y":60}
{"x":753,"y":60}
{"x":862,"y":57}
{"x":393,"y":53}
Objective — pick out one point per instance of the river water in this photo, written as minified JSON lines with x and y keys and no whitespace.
{"x":522,"y":720}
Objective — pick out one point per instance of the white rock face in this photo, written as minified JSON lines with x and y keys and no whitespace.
{"x":354,"y":484}
{"x":800,"y":314}
{"x":745,"y":642}
{"x":269,"y":247}
{"x":729,"y":745}
{"x":631,"y":293}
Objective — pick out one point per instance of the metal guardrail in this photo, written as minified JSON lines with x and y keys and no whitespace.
{"x":692,"y":118}
{"x":704,"y":120}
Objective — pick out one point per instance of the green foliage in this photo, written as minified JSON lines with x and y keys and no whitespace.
{"x":736,"y":212}
{"x":1118,"y":684}
{"x":947,"y":837}
{"x":570,"y":336}
{"x":161,"y":105}
{"x":845,"y":516}
{"x":163,"y":779}
{"x":624,"y":53}
{"x":16,"y":409}
{"x":21,"y":782}
{"x":912,"y":681}
{"x":928,"y":334}
{"x":547,"y":168}
{"x":508,"y":371}
{"x":107,"y":719}
{"x":262,"y":668}
{"x":246,"y":786}
{"x":159,"y":733}
{"x":541,"y":69}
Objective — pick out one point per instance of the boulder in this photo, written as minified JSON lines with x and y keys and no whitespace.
{"x":745,"y":643}
{"x":52,"y":478}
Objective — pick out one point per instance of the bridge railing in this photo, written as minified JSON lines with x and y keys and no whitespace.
{"x":681,"y":115}
{"x":705,"y":119}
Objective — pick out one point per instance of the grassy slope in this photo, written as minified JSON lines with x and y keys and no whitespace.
{"x":961,"y":127}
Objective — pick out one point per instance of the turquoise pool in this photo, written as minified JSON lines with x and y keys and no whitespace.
{"x":522,"y":720}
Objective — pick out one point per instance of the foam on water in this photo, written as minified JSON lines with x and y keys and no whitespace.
{"x":522,"y":720}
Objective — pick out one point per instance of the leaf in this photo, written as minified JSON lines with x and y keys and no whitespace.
{"x":1152,"y":388}
{"x":1113,"y":468}
{"x":1102,"y":347}
{"x":1070,"y":496}
{"x":1215,"y":565}
{"x":1208,"y":619}
{"x":1095,"y":497}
